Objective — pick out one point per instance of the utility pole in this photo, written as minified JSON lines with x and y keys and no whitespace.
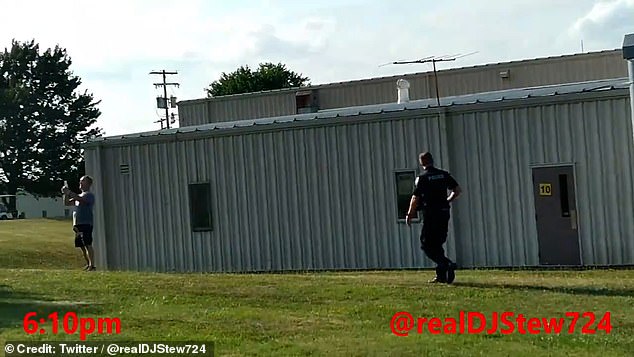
{"x":162,"y":102}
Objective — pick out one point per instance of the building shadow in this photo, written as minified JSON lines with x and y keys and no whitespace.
{"x":573,"y":290}
{"x":15,"y":305}
{"x":57,"y":219}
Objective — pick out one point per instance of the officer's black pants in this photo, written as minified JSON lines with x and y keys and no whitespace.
{"x":433,"y":236}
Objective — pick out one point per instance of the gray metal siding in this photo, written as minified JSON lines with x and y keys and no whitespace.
{"x":236,"y":108}
{"x":497,"y":216}
{"x":95,"y":168}
{"x":193,"y":113}
{"x":496,"y":221}
{"x":251,"y":107}
{"x":324,"y":197}
{"x":475,"y":80}
{"x":383,"y":90}
{"x":315,"y":198}
{"x":606,"y":182}
{"x":527,"y":74}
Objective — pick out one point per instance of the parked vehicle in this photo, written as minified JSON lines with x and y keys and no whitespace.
{"x":4,"y":212}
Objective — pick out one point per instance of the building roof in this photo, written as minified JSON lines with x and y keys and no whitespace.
{"x":413,"y":74}
{"x":430,"y":103}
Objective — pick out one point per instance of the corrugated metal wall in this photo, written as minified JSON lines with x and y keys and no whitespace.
{"x":194,"y":113}
{"x":239,"y":107}
{"x":475,"y":80}
{"x":282,"y":200}
{"x":99,"y":172}
{"x":603,"y":65}
{"x":246,"y":107}
{"x":377,"y":92}
{"x":496,"y":217}
{"x":525,"y":74}
{"x":324,"y":197}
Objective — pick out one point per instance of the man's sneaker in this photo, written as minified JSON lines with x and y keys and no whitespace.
{"x":92,"y":268}
{"x":86,"y":268}
{"x":436,"y":280}
{"x":451,"y":273}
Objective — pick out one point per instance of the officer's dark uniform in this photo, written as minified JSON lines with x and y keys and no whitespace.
{"x":431,"y":189}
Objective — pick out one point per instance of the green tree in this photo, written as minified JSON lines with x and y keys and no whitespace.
{"x":43,"y":120}
{"x":268,"y":76}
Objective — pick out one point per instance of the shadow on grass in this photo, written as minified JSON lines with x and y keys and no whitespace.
{"x":575,"y":290}
{"x":58,"y":219}
{"x":15,"y":305}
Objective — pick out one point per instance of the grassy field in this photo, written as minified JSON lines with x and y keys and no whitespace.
{"x":346,"y":314}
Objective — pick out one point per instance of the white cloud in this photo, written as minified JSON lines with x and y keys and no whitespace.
{"x":604,"y":12}
{"x":605,"y":24}
{"x":99,"y":34}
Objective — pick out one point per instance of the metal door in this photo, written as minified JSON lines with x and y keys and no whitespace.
{"x":556,"y":215}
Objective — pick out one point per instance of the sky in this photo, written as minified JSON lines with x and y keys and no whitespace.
{"x":114,"y":45}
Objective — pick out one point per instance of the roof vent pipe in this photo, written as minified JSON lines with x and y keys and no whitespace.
{"x":628,"y":54}
{"x":402,"y":86}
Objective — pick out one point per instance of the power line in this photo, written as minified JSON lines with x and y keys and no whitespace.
{"x":162,"y":102}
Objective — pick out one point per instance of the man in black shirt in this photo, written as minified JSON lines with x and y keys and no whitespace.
{"x":430,"y":197}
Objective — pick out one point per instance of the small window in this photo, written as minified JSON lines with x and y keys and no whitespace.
{"x":307,"y":101}
{"x":200,"y":206}
{"x":563,"y":195}
{"x":404,"y":187}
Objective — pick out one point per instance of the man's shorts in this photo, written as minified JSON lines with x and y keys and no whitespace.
{"x":83,"y":235}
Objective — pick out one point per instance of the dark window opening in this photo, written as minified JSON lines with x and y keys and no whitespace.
{"x":303,"y":101}
{"x":306,"y":101}
{"x":563,"y":195}
{"x":404,"y":187}
{"x":200,"y":206}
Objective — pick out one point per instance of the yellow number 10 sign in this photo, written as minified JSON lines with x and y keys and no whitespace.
{"x":545,"y":189}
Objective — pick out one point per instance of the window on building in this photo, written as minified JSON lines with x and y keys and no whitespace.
{"x":307,"y":101}
{"x":200,"y":206}
{"x":404,"y":186}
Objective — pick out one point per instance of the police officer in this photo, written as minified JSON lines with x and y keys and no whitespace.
{"x":430,"y":197}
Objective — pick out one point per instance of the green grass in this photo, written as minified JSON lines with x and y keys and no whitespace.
{"x":38,"y":244}
{"x":319,"y":314}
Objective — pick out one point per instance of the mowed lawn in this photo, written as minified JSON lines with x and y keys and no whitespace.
{"x":319,"y":314}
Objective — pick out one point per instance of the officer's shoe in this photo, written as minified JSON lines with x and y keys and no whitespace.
{"x":451,"y":273}
{"x":437,"y":280}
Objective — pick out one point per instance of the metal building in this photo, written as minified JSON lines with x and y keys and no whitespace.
{"x":547,"y":176}
{"x":451,"y":82}
{"x":40,"y":207}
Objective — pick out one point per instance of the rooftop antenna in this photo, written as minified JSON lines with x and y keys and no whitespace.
{"x":433,"y":60}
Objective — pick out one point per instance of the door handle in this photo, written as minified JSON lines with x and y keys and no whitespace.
{"x":573,"y":219}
